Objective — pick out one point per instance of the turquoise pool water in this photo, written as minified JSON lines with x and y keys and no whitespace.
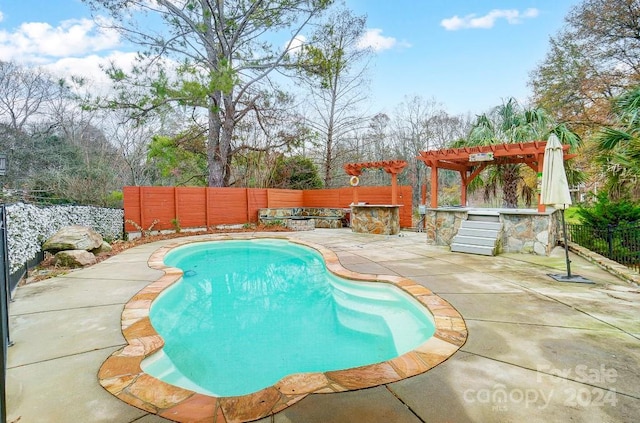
{"x":247,"y":313}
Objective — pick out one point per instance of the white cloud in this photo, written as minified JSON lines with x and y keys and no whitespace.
{"x":90,"y":66}
{"x":39,"y":42}
{"x":472,"y":21}
{"x":374,"y":39}
{"x":295,"y":44}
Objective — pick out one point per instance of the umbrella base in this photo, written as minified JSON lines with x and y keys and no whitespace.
{"x":567,"y":278}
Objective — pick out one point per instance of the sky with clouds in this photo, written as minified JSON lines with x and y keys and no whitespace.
{"x":467,"y":55}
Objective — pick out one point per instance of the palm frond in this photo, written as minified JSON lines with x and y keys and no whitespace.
{"x":610,"y":138}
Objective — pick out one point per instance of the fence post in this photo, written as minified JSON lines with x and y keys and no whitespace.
{"x":4,"y":314}
{"x":610,"y":239}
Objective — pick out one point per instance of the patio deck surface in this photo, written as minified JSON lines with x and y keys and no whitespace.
{"x":537,"y":349}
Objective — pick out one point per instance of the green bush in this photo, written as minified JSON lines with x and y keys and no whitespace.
{"x":610,"y":228}
{"x":606,"y":212}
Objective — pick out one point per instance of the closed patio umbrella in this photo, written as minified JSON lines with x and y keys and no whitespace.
{"x":555,"y":193}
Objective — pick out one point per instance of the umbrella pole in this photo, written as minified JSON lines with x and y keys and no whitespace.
{"x":568,"y":277}
{"x":566,"y":245}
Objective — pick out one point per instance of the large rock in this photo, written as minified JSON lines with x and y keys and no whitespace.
{"x":73,"y":238}
{"x":74,"y":258}
{"x":105,"y":247}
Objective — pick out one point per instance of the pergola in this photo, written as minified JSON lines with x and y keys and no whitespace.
{"x":470,"y":161}
{"x":392,"y":167}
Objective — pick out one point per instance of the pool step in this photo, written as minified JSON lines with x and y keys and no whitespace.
{"x":479,"y":235}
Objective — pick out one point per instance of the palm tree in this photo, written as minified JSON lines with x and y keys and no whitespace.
{"x":619,"y":147}
{"x":507,"y":124}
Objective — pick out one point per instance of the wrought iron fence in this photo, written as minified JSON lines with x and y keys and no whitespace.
{"x":620,"y":243}
{"x":5,"y":340}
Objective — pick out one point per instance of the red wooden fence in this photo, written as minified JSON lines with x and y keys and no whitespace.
{"x":199,"y":207}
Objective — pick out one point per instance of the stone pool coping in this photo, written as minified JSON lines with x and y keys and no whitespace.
{"x":123,"y":377}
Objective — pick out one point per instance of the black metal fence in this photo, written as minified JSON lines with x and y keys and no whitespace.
{"x":5,"y":293}
{"x":620,"y":243}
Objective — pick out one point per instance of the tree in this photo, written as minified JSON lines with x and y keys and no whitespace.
{"x":276,"y":129}
{"x":132,"y":142}
{"x":422,"y":124}
{"x":506,"y":124}
{"x":296,"y":172}
{"x":619,"y":147}
{"x":181,"y":160}
{"x":332,"y":67}
{"x":221,"y":54}
{"x":24,"y":94}
{"x":594,"y":58}
{"x":55,"y":153}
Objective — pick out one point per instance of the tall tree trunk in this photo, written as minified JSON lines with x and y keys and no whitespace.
{"x":219,"y":141}
{"x":329,"y":159}
{"x":511,"y":177}
{"x":214,"y":153}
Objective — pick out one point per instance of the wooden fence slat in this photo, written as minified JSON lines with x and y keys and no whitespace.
{"x":132,"y":208}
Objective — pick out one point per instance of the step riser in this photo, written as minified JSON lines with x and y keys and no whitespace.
{"x":483,"y":218}
{"x":472,"y":249}
{"x":481,"y":233}
{"x":473,"y":224}
{"x":485,"y":242}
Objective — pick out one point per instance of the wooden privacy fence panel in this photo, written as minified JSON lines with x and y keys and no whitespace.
{"x":191,"y":211}
{"x":226,"y":206}
{"x":285,"y":198}
{"x":325,"y":198}
{"x":256,"y":199}
{"x":190,"y":207}
{"x":200,"y":207}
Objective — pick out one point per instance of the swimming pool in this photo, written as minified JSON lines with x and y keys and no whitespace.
{"x":247,"y":313}
{"x":121,"y":373}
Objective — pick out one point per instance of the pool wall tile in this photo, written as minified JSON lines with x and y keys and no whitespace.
{"x":122,"y":375}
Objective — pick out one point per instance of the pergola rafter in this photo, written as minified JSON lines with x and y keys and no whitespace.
{"x":470,"y":161}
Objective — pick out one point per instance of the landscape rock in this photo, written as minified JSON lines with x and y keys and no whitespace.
{"x":103,"y":248}
{"x":73,"y":238}
{"x":74,"y":258}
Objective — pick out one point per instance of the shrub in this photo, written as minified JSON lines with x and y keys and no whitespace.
{"x":606,"y":212}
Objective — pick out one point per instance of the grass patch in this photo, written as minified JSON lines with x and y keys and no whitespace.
{"x":572,"y":217}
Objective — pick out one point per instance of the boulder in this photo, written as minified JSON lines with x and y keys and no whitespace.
{"x":73,"y":238}
{"x":103,"y":248}
{"x":74,"y":258}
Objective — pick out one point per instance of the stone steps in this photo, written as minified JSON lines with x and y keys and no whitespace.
{"x":478,"y":234}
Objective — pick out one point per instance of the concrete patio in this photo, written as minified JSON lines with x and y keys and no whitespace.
{"x":537,"y":350}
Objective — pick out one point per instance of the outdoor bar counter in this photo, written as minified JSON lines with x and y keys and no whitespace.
{"x":522,"y":230}
{"x":380,"y":219}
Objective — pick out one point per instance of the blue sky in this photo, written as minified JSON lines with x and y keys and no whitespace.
{"x":469,"y":55}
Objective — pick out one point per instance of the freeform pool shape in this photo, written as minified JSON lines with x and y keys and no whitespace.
{"x":122,"y":375}
{"x":247,"y":313}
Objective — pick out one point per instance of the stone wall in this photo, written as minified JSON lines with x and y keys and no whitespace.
{"x":523,"y":230}
{"x":322,"y":217}
{"x":442,"y":225}
{"x":537,"y":234}
{"x":377,"y":220}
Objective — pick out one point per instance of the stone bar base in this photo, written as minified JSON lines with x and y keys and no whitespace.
{"x":377,"y":219}
{"x":301,"y":224}
{"x":523,"y":230}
